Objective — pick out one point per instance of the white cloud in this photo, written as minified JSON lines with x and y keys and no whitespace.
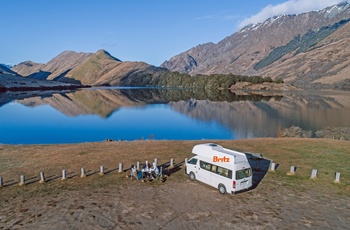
{"x":288,"y":7}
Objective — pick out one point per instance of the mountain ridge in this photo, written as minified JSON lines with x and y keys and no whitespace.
{"x":99,"y":68}
{"x":241,"y":51}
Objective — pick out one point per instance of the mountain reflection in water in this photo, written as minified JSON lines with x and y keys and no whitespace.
{"x":173,"y":114}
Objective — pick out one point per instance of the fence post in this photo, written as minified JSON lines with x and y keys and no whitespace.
{"x":138,"y":165}
{"x":22,"y":182}
{"x":292,"y":171}
{"x":42,"y":178}
{"x":186,"y":160}
{"x":120,"y":167}
{"x":337,"y":177}
{"x":1,"y":182}
{"x":82,"y":172}
{"x":64,"y":174}
{"x":156,"y":161}
{"x":102,"y":170}
{"x":171,"y":162}
{"x":313,"y":174}
{"x":273,"y":167}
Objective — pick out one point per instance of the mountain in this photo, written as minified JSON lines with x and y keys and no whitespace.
{"x":98,"y":68}
{"x":103,"y":69}
{"x":27,"y":68}
{"x":7,"y":66}
{"x":54,"y":69}
{"x":12,"y":81}
{"x":279,"y":47}
{"x":5,"y":70}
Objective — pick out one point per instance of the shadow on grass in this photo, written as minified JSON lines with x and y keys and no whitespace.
{"x":10,"y":183}
{"x":168,"y":171}
{"x":260,"y":167}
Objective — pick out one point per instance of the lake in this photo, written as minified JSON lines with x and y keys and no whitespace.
{"x":97,"y":114}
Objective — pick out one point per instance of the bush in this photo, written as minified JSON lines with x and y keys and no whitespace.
{"x":279,"y":80}
{"x":295,"y":131}
{"x":337,"y":133}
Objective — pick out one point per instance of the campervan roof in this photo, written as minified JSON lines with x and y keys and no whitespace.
{"x":209,"y":150}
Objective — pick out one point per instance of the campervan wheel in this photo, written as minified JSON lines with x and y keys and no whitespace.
{"x":192,"y":176}
{"x":222,"y":189}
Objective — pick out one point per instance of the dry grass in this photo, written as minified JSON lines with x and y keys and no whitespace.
{"x":327,"y":156}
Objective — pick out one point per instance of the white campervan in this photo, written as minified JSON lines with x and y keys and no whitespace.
{"x":222,"y":168}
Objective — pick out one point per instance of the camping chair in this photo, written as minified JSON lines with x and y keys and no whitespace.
{"x":157,"y":172}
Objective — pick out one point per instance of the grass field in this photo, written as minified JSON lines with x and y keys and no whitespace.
{"x":327,"y":156}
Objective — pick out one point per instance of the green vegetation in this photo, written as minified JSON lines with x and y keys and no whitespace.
{"x":197,"y":82}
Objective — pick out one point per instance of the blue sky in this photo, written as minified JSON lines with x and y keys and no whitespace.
{"x":152,"y":31}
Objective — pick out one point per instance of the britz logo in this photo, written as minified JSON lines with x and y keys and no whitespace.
{"x":221,"y":159}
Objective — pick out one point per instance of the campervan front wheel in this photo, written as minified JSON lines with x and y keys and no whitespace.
{"x":192,"y":176}
{"x":222,"y":189}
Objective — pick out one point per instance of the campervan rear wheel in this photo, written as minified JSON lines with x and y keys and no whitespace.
{"x":192,"y":176}
{"x":222,"y":189}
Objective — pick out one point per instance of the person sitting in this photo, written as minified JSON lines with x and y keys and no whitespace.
{"x":146,"y":166}
{"x":154,"y":170}
{"x":146,"y":170}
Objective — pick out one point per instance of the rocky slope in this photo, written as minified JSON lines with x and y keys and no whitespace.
{"x":278,"y":47}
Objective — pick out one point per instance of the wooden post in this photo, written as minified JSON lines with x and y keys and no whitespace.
{"x":120,"y":167}
{"x":82,"y":172}
{"x":171,"y":162}
{"x":138,"y":165}
{"x":292,"y":171}
{"x":42,"y":178}
{"x":22,"y":182}
{"x":1,"y":182}
{"x":313,"y":174}
{"x":102,"y":170}
{"x":64,"y":174}
{"x":156,"y":161}
{"x":186,"y":160}
{"x":337,"y":177}
{"x":273,"y":167}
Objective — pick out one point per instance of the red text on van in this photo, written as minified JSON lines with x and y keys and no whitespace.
{"x":221,"y":159}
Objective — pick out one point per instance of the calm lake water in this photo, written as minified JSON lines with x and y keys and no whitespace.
{"x":162,"y":114}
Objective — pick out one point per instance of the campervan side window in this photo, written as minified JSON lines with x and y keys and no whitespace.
{"x":243,"y":173}
{"x":205,"y":165}
{"x":216,"y":169}
{"x":192,"y":161}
